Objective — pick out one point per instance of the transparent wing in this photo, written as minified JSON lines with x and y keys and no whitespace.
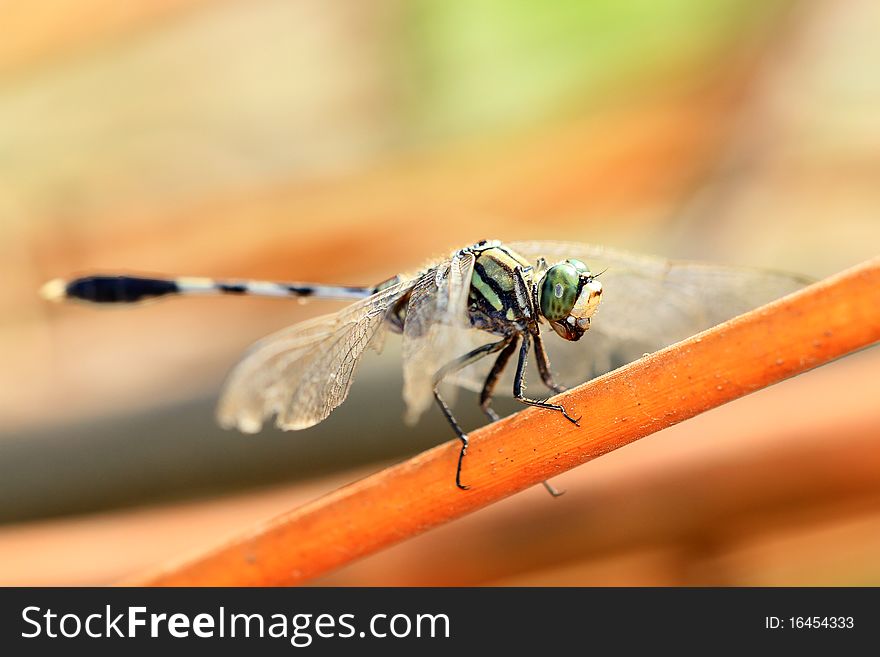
{"x":436,"y":319}
{"x":301,"y":373}
{"x":647,"y":303}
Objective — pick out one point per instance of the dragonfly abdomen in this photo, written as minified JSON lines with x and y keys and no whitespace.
{"x":132,"y":289}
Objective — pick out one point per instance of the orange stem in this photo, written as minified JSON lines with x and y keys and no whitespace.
{"x":813,"y":326}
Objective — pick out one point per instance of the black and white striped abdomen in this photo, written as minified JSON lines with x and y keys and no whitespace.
{"x":132,"y":289}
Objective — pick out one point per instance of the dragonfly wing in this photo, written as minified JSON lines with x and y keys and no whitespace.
{"x":436,"y":321}
{"x":301,"y":373}
{"x":647,"y":303}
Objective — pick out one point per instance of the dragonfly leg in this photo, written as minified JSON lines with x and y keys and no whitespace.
{"x":449,"y":368}
{"x":492,"y":379}
{"x":462,"y":436}
{"x":518,"y":384}
{"x":555,"y":492}
{"x":544,"y":366}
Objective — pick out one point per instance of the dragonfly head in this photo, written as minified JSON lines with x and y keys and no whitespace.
{"x":568,"y":295}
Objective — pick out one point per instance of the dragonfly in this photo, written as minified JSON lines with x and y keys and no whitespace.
{"x":463,"y":318}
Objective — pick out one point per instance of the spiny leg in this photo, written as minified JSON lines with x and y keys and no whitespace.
{"x":518,"y":384}
{"x":489,"y":387}
{"x":518,"y":389}
{"x":449,"y":368}
{"x":547,"y":377}
{"x":540,"y":352}
{"x":492,"y":379}
{"x":544,"y":366}
{"x":462,"y":436}
{"x":552,"y":489}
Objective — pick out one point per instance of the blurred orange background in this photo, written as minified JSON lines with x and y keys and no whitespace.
{"x":343,"y":142}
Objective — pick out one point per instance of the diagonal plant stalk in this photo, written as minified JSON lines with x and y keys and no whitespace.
{"x":827,"y":320}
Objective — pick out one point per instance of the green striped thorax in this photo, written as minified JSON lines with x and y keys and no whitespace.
{"x":568,"y":295}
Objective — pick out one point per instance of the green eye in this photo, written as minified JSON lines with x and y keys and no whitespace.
{"x":559,"y":291}
{"x":579,"y":265}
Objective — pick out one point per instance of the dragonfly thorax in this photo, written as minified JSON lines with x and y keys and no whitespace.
{"x":500,"y":295}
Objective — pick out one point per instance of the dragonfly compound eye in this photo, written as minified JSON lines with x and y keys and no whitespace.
{"x":582,"y":268}
{"x":559,"y":291}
